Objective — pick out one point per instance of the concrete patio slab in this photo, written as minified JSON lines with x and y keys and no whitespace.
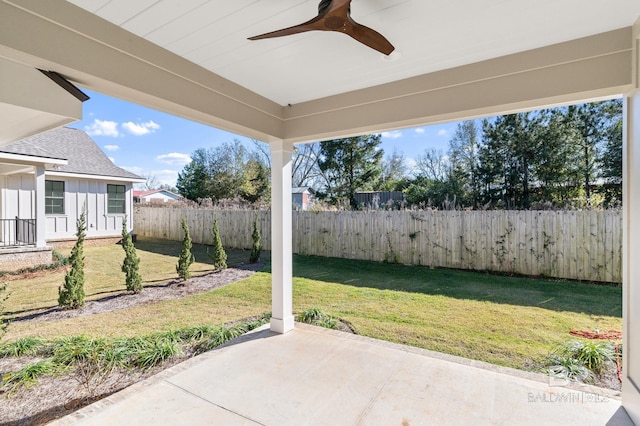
{"x":322,"y":377}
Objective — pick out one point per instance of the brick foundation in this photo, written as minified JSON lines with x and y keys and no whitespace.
{"x":15,"y":258}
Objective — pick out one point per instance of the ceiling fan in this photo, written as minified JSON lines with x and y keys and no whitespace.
{"x":335,"y":15}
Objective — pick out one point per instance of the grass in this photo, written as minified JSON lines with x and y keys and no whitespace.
{"x":498,"y":319}
{"x":104,"y":277}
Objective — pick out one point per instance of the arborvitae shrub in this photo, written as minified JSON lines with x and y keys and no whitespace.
{"x":219,"y":256}
{"x":186,"y":258}
{"x":71,"y":294}
{"x":256,"y":248}
{"x":131,"y":263}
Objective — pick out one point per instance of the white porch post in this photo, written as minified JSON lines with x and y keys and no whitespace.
{"x":281,"y":237}
{"x":631,"y":240}
{"x":39,"y":206}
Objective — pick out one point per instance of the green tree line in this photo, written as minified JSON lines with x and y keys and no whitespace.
{"x":566,"y":157}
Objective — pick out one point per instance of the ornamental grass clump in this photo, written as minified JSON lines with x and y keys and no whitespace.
{"x":580,"y":361}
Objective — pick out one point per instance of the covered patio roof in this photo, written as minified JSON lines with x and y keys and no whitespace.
{"x":453,"y":61}
{"x":192,"y":59}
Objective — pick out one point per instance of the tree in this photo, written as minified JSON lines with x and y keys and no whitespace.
{"x":226,"y":172}
{"x":71,"y":294}
{"x":427,"y":192}
{"x":193,"y":180}
{"x":256,"y":248}
{"x":587,"y":121}
{"x":464,"y":160}
{"x":304,"y":166}
{"x":186,"y":258}
{"x":349,"y":165}
{"x":433,"y":165}
{"x":151,"y":182}
{"x":131,"y":263}
{"x":611,"y":159}
{"x":219,"y":256}
{"x":256,"y":185}
{"x":394,"y":172}
{"x":507,"y":159}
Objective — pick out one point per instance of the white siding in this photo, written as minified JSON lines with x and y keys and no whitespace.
{"x":17,"y":198}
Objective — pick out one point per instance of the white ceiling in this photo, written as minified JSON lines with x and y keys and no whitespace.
{"x":429,"y":35}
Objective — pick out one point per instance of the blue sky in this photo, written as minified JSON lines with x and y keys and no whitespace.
{"x":148,"y":142}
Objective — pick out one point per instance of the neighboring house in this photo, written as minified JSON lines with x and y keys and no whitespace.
{"x":302,"y":197}
{"x":45,"y":182}
{"x":155,"y":196}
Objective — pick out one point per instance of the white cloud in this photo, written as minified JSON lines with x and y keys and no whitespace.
{"x":111,"y":147}
{"x":419,"y":130}
{"x":443,"y":133}
{"x":113,"y":160}
{"x":165,"y":177}
{"x":103,"y":128}
{"x":141,"y":128}
{"x":392,"y":135}
{"x":174,"y":159}
{"x":134,"y":169}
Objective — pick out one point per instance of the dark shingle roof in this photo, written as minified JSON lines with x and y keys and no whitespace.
{"x":75,"y":146}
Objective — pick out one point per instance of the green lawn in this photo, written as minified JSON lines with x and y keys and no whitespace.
{"x":503,"y":320}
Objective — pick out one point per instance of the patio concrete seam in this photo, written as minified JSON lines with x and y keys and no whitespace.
{"x":374,"y":398}
{"x":168,"y":382}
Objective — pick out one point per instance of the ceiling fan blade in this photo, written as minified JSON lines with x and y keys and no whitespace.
{"x":369,"y":37}
{"x":335,"y":15}
{"x":313,"y":24}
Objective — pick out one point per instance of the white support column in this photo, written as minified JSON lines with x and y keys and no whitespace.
{"x":631,"y":241}
{"x":39,"y":207}
{"x":281,"y":238}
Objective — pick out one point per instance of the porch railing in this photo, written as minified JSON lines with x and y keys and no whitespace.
{"x":17,"y":232}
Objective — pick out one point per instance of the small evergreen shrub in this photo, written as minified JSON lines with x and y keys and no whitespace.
{"x":186,"y":257}
{"x":219,"y":256}
{"x":256,"y":248}
{"x":131,"y":263}
{"x":71,"y":294}
{"x":4,"y":323}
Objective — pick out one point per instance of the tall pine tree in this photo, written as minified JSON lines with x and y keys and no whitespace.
{"x":350,"y":165}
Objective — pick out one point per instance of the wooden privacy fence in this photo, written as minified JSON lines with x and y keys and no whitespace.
{"x":582,"y":245}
